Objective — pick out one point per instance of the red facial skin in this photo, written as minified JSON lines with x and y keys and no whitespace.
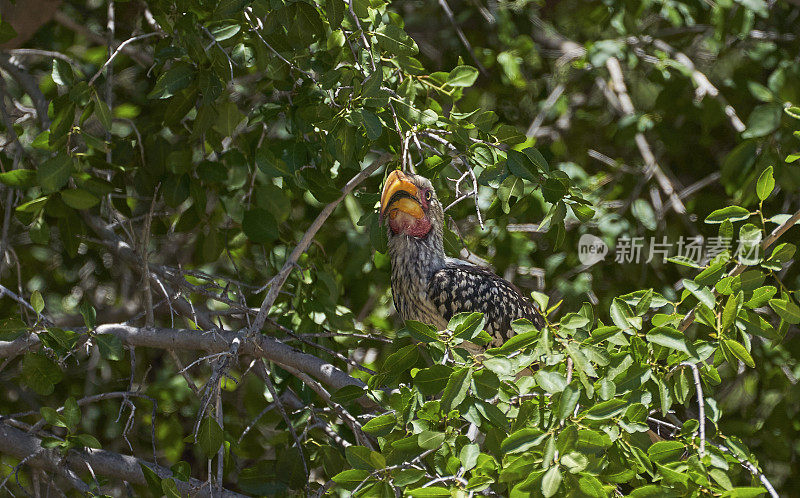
{"x":402,"y":222}
{"x":405,"y":223}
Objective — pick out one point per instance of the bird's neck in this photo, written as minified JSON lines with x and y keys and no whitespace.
{"x":417,"y":257}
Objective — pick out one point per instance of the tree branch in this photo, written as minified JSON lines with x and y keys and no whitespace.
{"x":260,"y":346}
{"x":651,"y":165}
{"x":21,"y":445}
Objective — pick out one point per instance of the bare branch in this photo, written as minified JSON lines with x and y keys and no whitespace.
{"x":259,"y":346}
{"x":651,"y":165}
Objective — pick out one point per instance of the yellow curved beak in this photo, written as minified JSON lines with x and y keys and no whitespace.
{"x":397,"y":181}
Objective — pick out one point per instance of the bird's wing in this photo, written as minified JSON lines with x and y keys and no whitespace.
{"x":461,"y":287}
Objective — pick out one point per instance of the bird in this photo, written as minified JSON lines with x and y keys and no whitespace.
{"x":430,"y":287}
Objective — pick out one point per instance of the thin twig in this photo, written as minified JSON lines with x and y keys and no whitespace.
{"x":119,"y":49}
{"x":449,"y":13}
{"x":751,"y":468}
{"x":261,"y":368}
{"x":348,"y":419}
{"x":26,"y":52}
{"x":701,"y":405}
{"x":305,"y":241}
{"x":145,"y":256}
{"x":548,"y":104}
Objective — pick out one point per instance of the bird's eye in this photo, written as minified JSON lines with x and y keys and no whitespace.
{"x":428,"y":195}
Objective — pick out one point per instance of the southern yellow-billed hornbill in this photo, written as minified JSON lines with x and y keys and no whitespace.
{"x":430,"y":287}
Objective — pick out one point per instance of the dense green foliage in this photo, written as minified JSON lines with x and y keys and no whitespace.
{"x":162,"y":190}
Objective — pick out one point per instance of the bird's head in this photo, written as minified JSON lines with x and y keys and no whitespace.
{"x":409,"y":205}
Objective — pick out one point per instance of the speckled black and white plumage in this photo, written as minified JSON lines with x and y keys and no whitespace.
{"x":430,"y":287}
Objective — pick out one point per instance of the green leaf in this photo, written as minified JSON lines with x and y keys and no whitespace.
{"x":582,"y":363}
{"x":170,"y":488}
{"x":763,"y":120}
{"x":606,"y":409}
{"x":60,"y":341}
{"x":433,"y":379}
{"x":466,"y":326}
{"x":11,"y":328}
{"x":393,"y":39}
{"x":517,"y":342}
{"x":37,"y":302}
{"x":260,"y":226}
{"x":486,"y":384}
{"x":152,"y":479}
{"x":178,"y":77}
{"x":181,"y":471}
{"x":40,"y":373}
{"x":102,"y":112}
{"x":421,"y":331}
{"x":19,"y":178}
{"x":462,"y":76}
{"x":551,"y":482}
{"x":351,"y":478}
{"x":401,"y":360}
{"x":522,"y":440}
{"x":666,"y":451}
{"x":620,"y":312}
{"x":786,"y":309}
{"x":88,"y":441}
{"x":745,"y":492}
{"x":428,"y":492}
{"x":226,"y":8}
{"x":520,"y":165}
{"x":54,"y":172}
{"x":552,"y":382}
{"x":347,"y":394}
{"x":335,"y":10}
{"x":669,"y":337}
{"x":110,"y":346}
{"x":569,"y":399}
{"x":224,"y":30}
{"x":740,"y":352}
{"x":89,"y":315}
{"x":79,"y":199}
{"x":456,"y":389}
{"x":761,"y":296}
{"x":702,"y":293}
{"x":361,"y":457}
{"x":732,"y":213}
{"x":430,"y":440}
{"x":373,"y":127}
{"x":469,"y":456}
{"x":730,"y":311}
{"x":7,"y":32}
{"x":765,"y":184}
{"x":71,"y":414}
{"x":209,"y":437}
{"x":592,"y":487}
{"x":380,"y":425}
{"x":52,"y":417}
